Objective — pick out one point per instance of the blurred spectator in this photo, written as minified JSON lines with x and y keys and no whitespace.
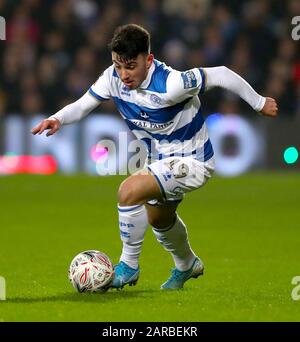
{"x":86,"y":12}
{"x":56,"y":49}
{"x":175,"y":51}
{"x":31,"y":103}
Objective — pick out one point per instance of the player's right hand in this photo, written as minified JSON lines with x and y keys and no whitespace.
{"x":51,"y":124}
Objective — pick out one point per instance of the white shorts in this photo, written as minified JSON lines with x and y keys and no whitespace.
{"x":179,"y":175}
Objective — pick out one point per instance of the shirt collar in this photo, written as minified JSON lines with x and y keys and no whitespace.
{"x":145,"y":84}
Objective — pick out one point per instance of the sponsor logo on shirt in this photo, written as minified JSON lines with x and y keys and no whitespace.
{"x":189,"y":79}
{"x":152,"y":125}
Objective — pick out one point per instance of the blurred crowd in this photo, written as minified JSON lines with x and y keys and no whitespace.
{"x":56,"y":49}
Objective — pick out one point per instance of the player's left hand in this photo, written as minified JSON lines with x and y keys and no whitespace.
{"x":270,"y":108}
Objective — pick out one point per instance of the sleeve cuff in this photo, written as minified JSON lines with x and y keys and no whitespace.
{"x":55,"y":117}
{"x":261,"y":103}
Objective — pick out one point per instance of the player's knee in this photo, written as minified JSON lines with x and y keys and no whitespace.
{"x":128,"y":194}
{"x":160,"y":221}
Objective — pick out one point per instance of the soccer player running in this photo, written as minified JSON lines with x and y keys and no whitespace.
{"x":161,"y":107}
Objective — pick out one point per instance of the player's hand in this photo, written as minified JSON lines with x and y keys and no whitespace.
{"x":53,"y":125}
{"x":270,"y":108}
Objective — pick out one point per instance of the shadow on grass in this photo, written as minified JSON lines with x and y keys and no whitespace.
{"x":106,"y":297}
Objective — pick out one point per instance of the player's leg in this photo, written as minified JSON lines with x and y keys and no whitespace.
{"x":133,"y":222}
{"x":169,"y":179}
{"x":178,"y":176}
{"x":172,"y":234}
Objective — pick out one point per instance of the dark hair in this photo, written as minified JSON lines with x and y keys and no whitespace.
{"x":129,"y":41}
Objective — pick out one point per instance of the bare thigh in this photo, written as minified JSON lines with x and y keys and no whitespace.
{"x":138,"y":189}
{"x":162,"y":216}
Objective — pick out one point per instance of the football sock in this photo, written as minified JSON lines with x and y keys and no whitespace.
{"x":174,"y":239}
{"x":133,"y":222}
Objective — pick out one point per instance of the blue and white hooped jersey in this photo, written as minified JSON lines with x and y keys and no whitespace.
{"x":164,"y":112}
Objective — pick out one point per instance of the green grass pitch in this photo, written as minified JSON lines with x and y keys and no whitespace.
{"x":246,"y":229}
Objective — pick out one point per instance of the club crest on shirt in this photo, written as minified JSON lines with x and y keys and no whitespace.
{"x":155,"y":99}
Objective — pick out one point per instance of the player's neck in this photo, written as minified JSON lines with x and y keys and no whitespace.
{"x":147,"y":80}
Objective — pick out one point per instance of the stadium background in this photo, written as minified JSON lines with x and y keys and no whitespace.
{"x":53,"y":52}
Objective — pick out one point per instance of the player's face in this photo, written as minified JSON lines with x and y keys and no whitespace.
{"x":133,"y":72}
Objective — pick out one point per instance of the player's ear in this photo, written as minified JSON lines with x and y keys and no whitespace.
{"x":149,"y":60}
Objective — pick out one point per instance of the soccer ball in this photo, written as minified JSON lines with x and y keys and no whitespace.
{"x":91,"y":271}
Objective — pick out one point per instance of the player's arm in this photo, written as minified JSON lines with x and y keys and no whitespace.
{"x":98,"y":92}
{"x":227,"y":79}
{"x":67,"y":115}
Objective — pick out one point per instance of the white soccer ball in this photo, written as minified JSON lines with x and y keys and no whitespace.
{"x":91,"y":271}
